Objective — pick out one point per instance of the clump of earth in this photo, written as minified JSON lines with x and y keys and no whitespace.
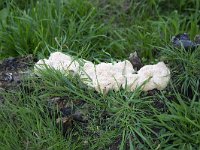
{"x":183,"y":40}
{"x":12,"y":73}
{"x":14,"y":70}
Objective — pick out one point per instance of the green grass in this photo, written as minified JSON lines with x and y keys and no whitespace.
{"x":102,"y":31}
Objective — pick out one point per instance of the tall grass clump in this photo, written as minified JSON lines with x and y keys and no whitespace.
{"x":180,"y":124}
{"x":131,"y":118}
{"x":43,"y":26}
{"x":184,"y":64}
{"x":29,"y":30}
{"x":27,"y":125}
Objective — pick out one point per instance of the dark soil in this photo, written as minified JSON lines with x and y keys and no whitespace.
{"x":12,"y":73}
{"x":13,"y":70}
{"x":116,"y":144}
{"x":65,"y":114}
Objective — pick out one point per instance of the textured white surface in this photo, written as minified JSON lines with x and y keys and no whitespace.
{"x":157,"y":75}
{"x":104,"y":77}
{"x":59,"y":61}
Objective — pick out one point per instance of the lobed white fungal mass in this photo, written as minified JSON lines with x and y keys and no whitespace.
{"x":104,"y":77}
{"x":59,"y":61}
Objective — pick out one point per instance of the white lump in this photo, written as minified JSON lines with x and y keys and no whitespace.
{"x":59,"y":61}
{"x":156,"y":76}
{"x":104,"y":77}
